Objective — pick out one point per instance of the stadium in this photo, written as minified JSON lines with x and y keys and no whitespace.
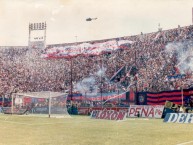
{"x":134,"y":89}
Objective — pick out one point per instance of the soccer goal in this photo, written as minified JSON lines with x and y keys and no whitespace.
{"x":51,"y":104}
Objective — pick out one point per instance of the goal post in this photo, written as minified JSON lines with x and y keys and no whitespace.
{"x":47,"y":103}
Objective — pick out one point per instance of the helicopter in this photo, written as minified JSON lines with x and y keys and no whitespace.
{"x":90,"y":19}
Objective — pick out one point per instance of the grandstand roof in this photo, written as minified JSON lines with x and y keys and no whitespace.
{"x":44,"y":94}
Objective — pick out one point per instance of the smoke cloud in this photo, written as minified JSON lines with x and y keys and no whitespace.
{"x":183,"y":51}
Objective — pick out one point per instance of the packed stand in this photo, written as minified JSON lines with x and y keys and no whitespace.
{"x":146,"y":67}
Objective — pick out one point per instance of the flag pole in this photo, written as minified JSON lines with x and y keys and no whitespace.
{"x":192,"y":15}
{"x":49,"y":113}
{"x":11,"y":104}
{"x":182,"y":94}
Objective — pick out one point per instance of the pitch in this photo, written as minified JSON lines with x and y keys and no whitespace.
{"x":81,"y":130}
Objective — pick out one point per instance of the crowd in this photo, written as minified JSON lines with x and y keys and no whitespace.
{"x":146,"y":67}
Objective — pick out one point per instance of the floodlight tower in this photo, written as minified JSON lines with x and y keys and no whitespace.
{"x":33,"y":38}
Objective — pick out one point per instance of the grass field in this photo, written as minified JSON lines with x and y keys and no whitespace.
{"x":81,"y":130}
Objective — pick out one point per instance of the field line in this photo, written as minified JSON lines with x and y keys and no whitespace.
{"x":122,"y":120}
{"x":185,"y":143}
{"x":131,"y":119}
{"x":62,"y":123}
{"x":46,"y":123}
{"x":16,"y":122}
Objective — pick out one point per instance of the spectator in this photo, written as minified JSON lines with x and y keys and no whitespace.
{"x":26,"y":71}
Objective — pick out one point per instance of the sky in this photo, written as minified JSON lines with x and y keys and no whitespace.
{"x":66,"y":19}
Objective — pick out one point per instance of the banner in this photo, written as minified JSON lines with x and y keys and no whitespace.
{"x":88,"y":110}
{"x":161,"y":97}
{"x":122,"y":69}
{"x":121,"y":96}
{"x":92,"y":48}
{"x":178,"y":76}
{"x":179,"y":118}
{"x":108,"y":114}
{"x":146,"y":111}
{"x":124,"y":44}
{"x":141,"y":98}
{"x":84,"y":110}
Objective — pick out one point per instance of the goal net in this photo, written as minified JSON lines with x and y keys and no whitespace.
{"x":52,"y":104}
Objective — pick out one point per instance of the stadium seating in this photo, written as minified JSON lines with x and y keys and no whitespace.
{"x":146,"y":63}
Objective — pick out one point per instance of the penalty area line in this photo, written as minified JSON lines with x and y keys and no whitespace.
{"x":185,"y":143}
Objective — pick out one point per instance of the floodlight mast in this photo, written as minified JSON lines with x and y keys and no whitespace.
{"x":37,"y":27}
